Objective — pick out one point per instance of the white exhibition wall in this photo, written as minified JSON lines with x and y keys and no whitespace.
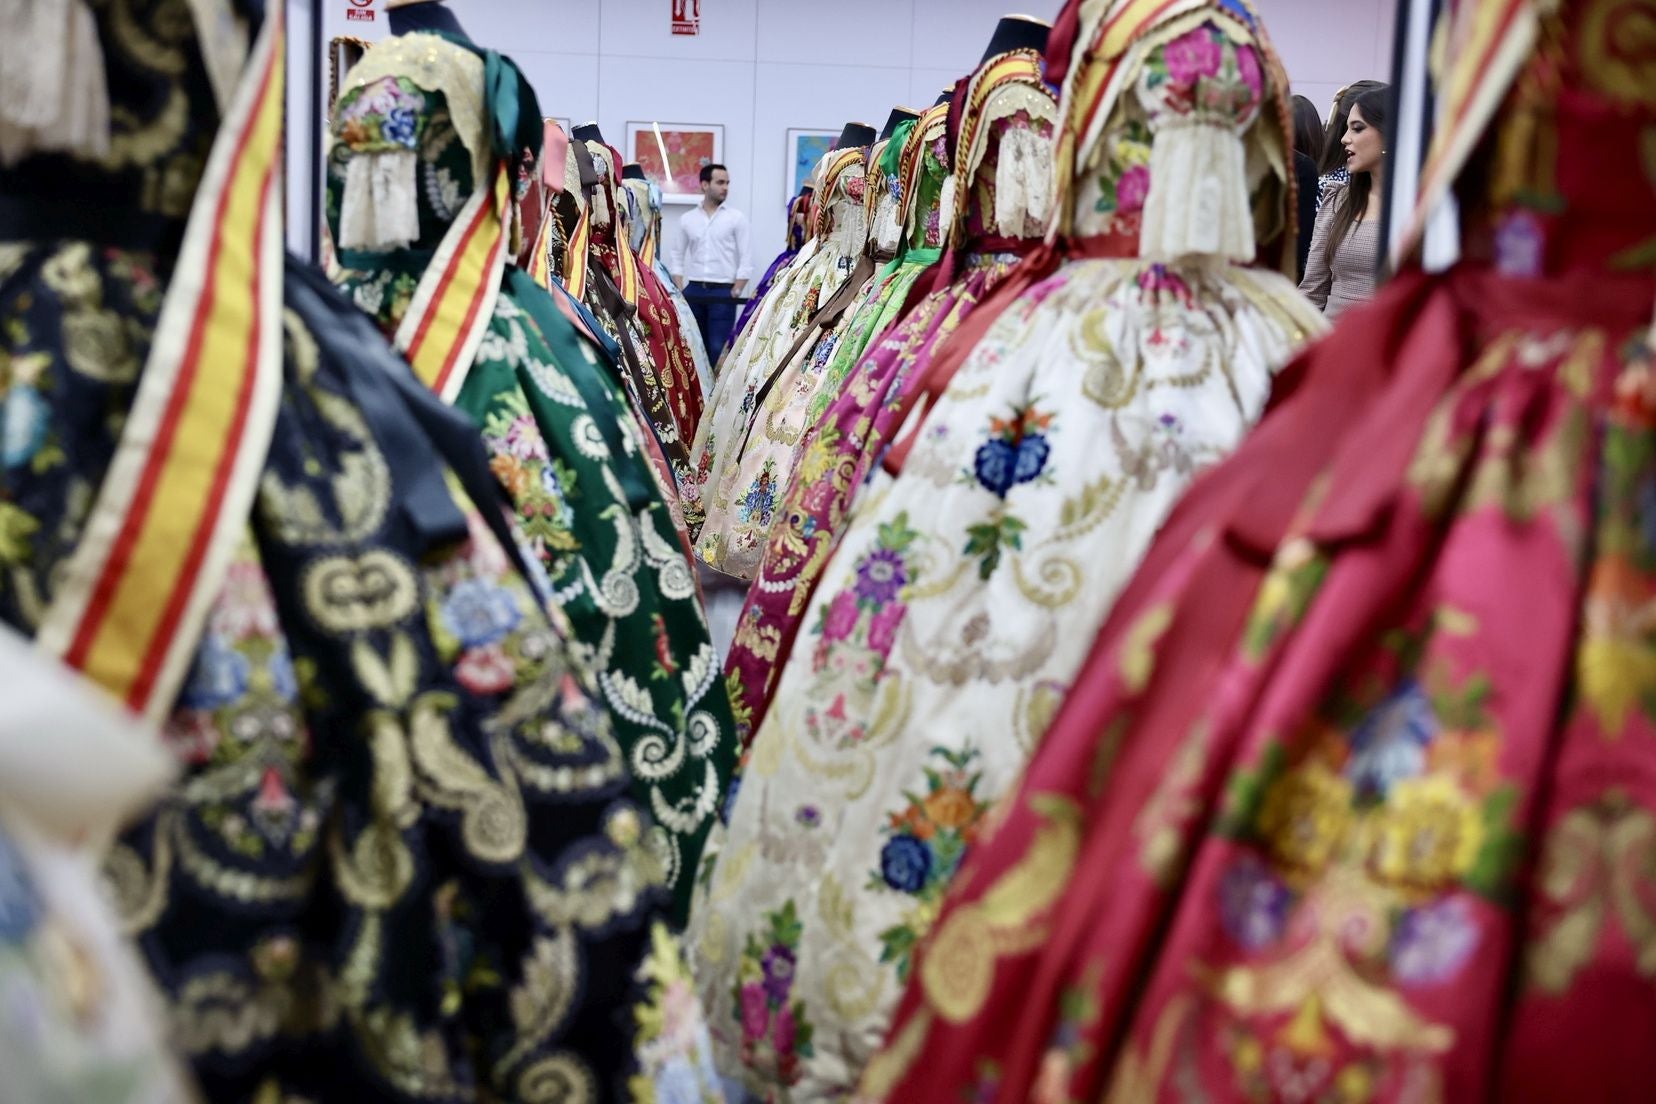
{"x":759,"y":67}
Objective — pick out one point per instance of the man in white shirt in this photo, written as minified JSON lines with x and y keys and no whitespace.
{"x":709,"y":257}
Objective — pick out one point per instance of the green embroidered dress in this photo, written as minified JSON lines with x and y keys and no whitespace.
{"x":564,"y":444}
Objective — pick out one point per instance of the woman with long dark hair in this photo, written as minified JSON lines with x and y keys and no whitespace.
{"x":1308,"y":128}
{"x":1345,"y":247}
{"x":1331,"y":162}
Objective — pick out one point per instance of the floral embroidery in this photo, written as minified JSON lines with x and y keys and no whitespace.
{"x":1016,"y":451}
{"x":857,"y":627}
{"x":387,"y":114}
{"x":1124,"y":176}
{"x":760,"y":500}
{"x":775,"y":1031}
{"x":675,"y":1054}
{"x":925,"y":844}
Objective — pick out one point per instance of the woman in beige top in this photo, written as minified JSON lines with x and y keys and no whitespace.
{"x":1345,"y":248}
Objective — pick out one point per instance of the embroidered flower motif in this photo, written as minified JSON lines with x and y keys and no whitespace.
{"x":993,"y":464}
{"x":1253,"y":905}
{"x":478,"y":612}
{"x":1304,"y":817}
{"x":882,"y":627}
{"x":1247,"y":71}
{"x":1132,"y":188}
{"x":24,"y":419}
{"x":808,"y":816}
{"x":1431,"y":944}
{"x":841,"y":617}
{"x":760,"y":500}
{"x":904,"y":863}
{"x":1389,"y":744}
{"x":880,"y":577}
{"x":485,"y":670}
{"x":1192,"y":55}
{"x":927,"y":841}
{"x":1520,"y":244}
{"x":1430,"y":835}
{"x":523,"y":438}
{"x":398,"y":127}
{"x":219,"y":677}
{"x":764,"y":985}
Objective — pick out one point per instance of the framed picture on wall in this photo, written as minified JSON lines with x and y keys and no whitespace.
{"x":672,"y":154}
{"x":805,"y":148}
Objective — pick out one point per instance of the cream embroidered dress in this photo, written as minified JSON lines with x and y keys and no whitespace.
{"x":966,"y":592}
{"x":909,"y":174}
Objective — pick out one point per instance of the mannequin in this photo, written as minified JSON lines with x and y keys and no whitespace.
{"x":633,"y":171}
{"x":1015,"y":32}
{"x":589,"y":132}
{"x":855,"y":134}
{"x":408,"y":16}
{"x":898,"y":115}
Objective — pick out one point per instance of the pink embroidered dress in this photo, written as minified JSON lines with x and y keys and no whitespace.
{"x":1355,"y":798}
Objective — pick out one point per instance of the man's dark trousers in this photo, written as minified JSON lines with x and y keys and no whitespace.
{"x":714,"y":306}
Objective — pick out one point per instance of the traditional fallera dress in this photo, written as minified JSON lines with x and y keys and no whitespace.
{"x":1355,"y":797}
{"x":963,"y":597}
{"x":560,"y":437}
{"x":228,"y":505}
{"x":993,"y":211}
{"x":627,"y":298}
{"x":644,"y":221}
{"x":839,"y":233}
{"x":907,"y":178}
{"x":799,"y":220}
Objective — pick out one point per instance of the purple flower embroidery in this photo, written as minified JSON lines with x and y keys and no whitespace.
{"x":880,"y":577}
{"x":1132,"y":188}
{"x":524,"y":440}
{"x":1520,"y":244}
{"x":808,"y":816}
{"x":1433,"y":943}
{"x":1192,"y":55}
{"x":778,"y":965}
{"x":1253,"y":905}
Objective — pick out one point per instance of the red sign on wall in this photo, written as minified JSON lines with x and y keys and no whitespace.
{"x":687,"y":17}
{"x":360,"y":11}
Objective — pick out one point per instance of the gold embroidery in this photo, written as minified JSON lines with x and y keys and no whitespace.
{"x":352,"y":594}
{"x":958,"y":969}
{"x":560,"y":1079}
{"x":1616,"y":50}
{"x":1599,"y":860}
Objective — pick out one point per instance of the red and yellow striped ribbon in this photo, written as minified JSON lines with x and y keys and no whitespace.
{"x":175,"y":500}
{"x":578,"y":255}
{"x":540,"y":257}
{"x":455,"y":298}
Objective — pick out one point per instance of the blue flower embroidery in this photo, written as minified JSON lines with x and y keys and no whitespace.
{"x":904,"y":863}
{"x":219,"y":677}
{"x":398,"y":127}
{"x":479,"y":613}
{"x":1033,"y":451}
{"x":1389,"y":745}
{"x":995,"y":465}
